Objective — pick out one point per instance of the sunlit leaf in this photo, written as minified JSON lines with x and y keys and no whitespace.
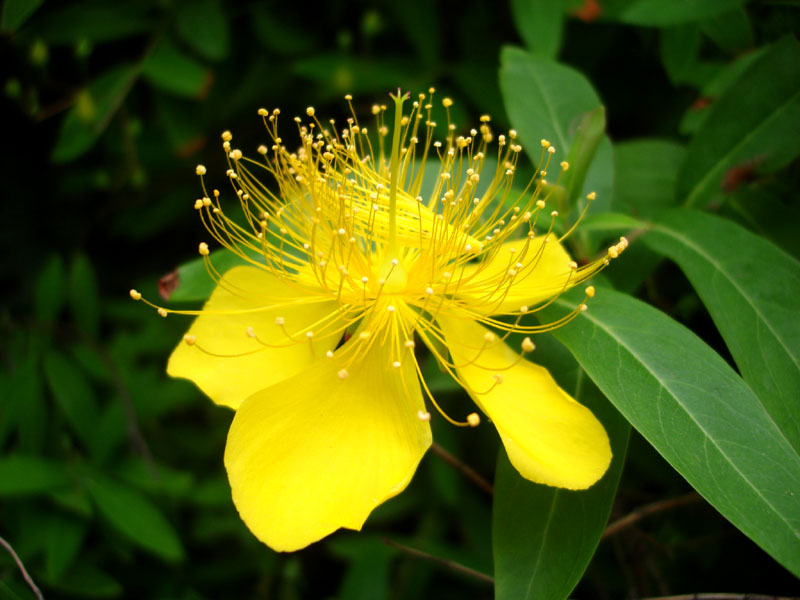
{"x":540,"y":24}
{"x":170,"y":69}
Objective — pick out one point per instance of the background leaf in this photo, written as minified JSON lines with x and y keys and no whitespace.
{"x":672,"y":12}
{"x":25,"y":475}
{"x":754,"y":123}
{"x":540,"y":24}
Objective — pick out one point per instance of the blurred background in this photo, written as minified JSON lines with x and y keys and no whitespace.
{"x":111,"y":475}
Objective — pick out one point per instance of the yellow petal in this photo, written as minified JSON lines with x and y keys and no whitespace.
{"x":226,"y":362}
{"x":545,"y":272}
{"x":549,"y":437}
{"x":319,"y":451}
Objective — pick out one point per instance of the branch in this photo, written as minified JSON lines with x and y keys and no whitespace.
{"x":465,"y":470}
{"x":445,"y":562}
{"x":651,"y":509}
{"x":22,"y":569}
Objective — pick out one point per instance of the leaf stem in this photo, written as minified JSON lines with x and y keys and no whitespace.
{"x":22,"y":569}
{"x":445,"y":562}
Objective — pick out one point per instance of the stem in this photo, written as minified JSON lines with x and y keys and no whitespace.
{"x":445,"y":562}
{"x":395,"y":171}
{"x":649,"y":509}
{"x":25,"y":574}
{"x":465,"y":470}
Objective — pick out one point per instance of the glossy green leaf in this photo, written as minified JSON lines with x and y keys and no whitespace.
{"x":695,"y":410}
{"x":49,"y":290}
{"x":752,"y":290}
{"x":22,"y":475}
{"x":754,"y":123}
{"x":74,"y":395}
{"x":203,"y":25}
{"x":540,"y":24}
{"x":171,"y":70}
{"x":544,"y":537}
{"x":16,"y":12}
{"x":136,"y":518}
{"x":84,"y":297}
{"x":660,"y":13}
{"x":92,"y":112}
{"x":547,"y":100}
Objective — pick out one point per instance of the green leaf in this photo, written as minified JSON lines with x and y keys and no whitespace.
{"x":136,"y":518}
{"x":193,"y":281}
{"x":540,"y":24}
{"x":695,"y":410}
{"x":97,"y":21}
{"x":752,"y":290}
{"x":660,"y":13}
{"x":63,"y":541}
{"x":547,"y":100}
{"x":83,"y":295}
{"x":544,"y":537}
{"x":49,"y":290}
{"x":281,"y":37}
{"x":16,"y":12}
{"x":731,"y":30}
{"x":645,"y":175}
{"x":172,"y":71}
{"x":92,"y":112}
{"x":203,"y":25}
{"x":86,"y":581}
{"x":74,"y":395}
{"x":24,"y":407}
{"x":754,"y":123}
{"x":22,"y":475}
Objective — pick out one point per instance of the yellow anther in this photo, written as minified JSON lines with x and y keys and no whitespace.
{"x":375,"y":109}
{"x":348,"y":97}
{"x":473,"y":419}
{"x":206,"y":201}
{"x":523,"y":309}
{"x":227,"y":136}
{"x":485,"y":118}
{"x":364,"y":335}
{"x":263,"y":112}
{"x":584,"y":307}
{"x":198,"y":204}
{"x":202,"y":248}
{"x":540,"y":204}
{"x":189,"y":339}
{"x":613,"y":252}
{"x":489,"y":337}
{"x":390,"y":308}
{"x":310,"y":111}
{"x":590,"y":291}
{"x":429,"y":291}
{"x":554,"y":213}
{"x":528,"y":345}
{"x":135,"y":295}
{"x":309,"y":334}
{"x":329,"y":354}
{"x":591,"y":195}
{"x":498,"y":378}
{"x":447,"y":102}
{"x":409,"y":344}
{"x":250,"y":332}
{"x":200,"y":170}
{"x":396,"y":364}
{"x":236,"y":154}
{"x":262,"y":149}
{"x":573,"y":264}
{"x":423,"y":415}
{"x":342,"y":373}
{"x":162,"y":312}
{"x":552,"y":149}
{"x":564,"y":165}
{"x":280,"y":321}
{"x":545,"y":143}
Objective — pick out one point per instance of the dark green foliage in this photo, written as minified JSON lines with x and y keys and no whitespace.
{"x":111,"y":476}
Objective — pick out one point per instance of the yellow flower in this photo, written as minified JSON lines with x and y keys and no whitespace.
{"x":314,"y":344}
